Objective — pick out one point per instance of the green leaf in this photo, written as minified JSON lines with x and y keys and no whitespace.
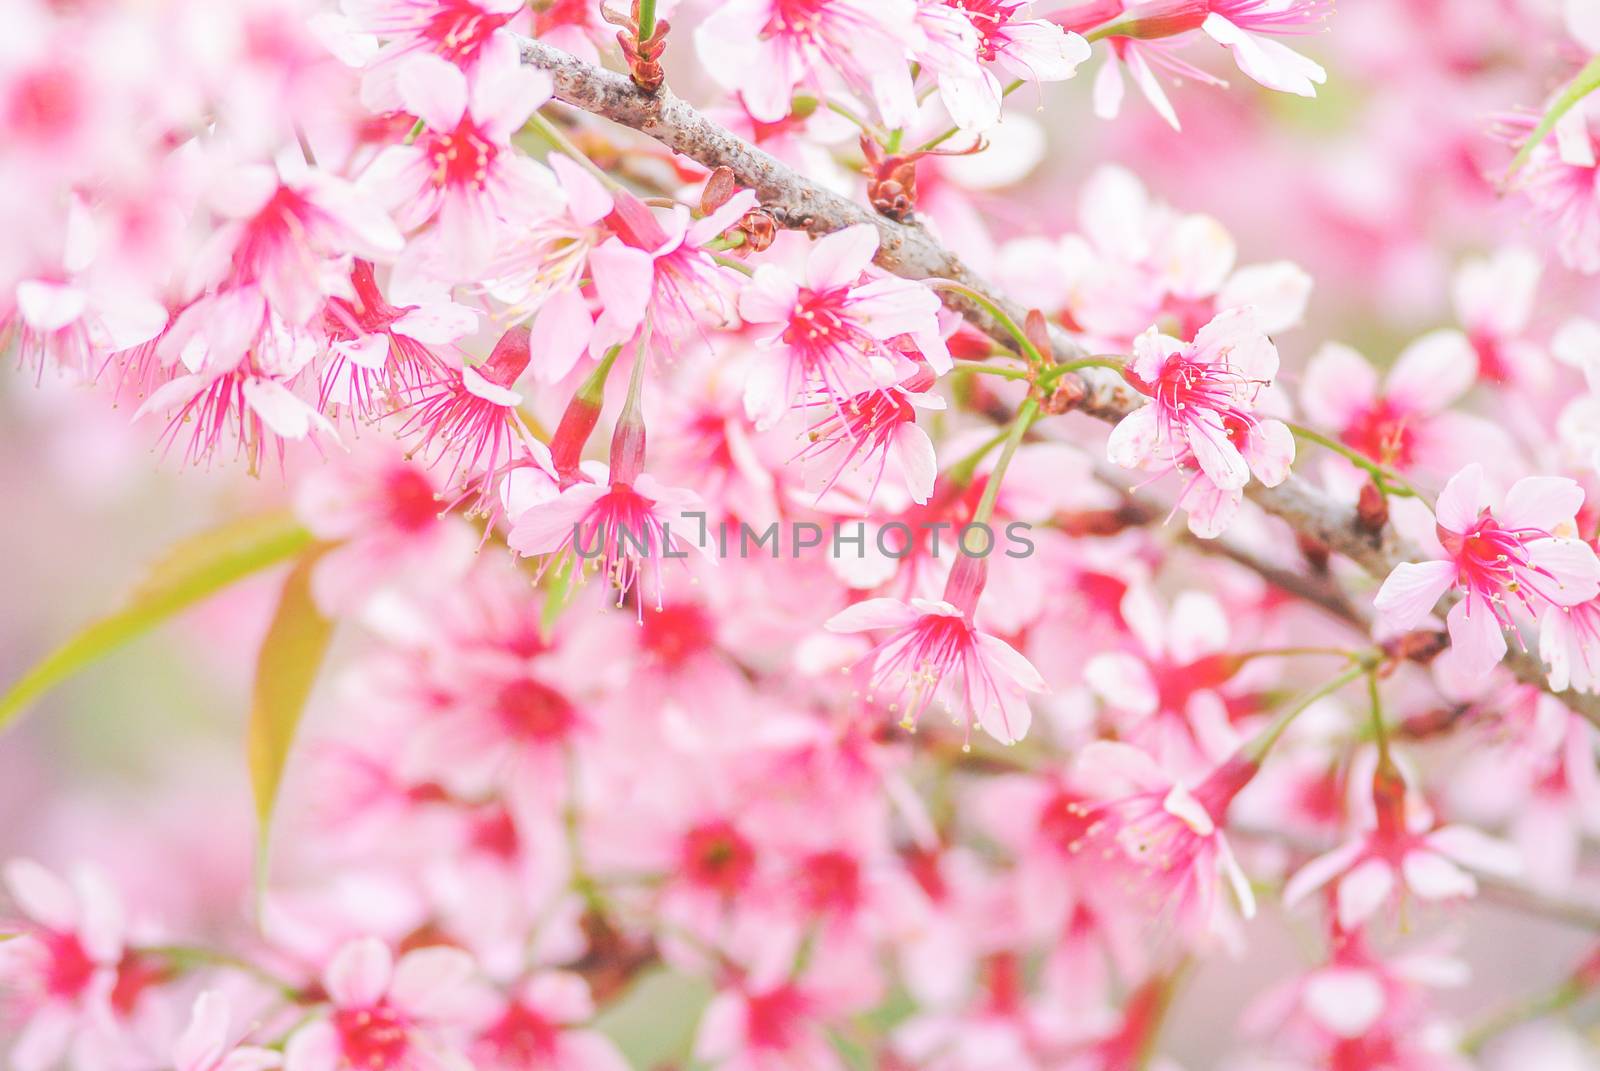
{"x":1586,"y":82}
{"x":286,"y":668}
{"x":195,"y":568}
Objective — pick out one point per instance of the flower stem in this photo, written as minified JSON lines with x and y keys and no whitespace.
{"x":987,"y":369}
{"x":647,"y":19}
{"x":1586,"y":82}
{"x":1019,"y":426}
{"x":1388,"y":481}
{"x":1256,"y":749}
{"x":559,"y":140}
{"x":997,"y":313}
{"x":934,"y":143}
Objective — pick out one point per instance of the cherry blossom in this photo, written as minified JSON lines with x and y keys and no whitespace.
{"x":1498,"y":559}
{"x":832,"y":331}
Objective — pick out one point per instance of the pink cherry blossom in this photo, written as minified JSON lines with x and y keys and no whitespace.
{"x":470,"y":416}
{"x":379,"y":352}
{"x":621,"y":525}
{"x":543,"y":1022}
{"x":384,"y":1012}
{"x":1399,"y":842}
{"x":1406,"y":422}
{"x":1245,"y":28}
{"x":832,"y":330}
{"x":1164,"y":837}
{"x":461,"y":173}
{"x":878,"y":424}
{"x":1001,"y":33}
{"x":765,"y":49}
{"x":208,"y":1045}
{"x":1497,"y":559}
{"x":539,"y":269}
{"x":935,"y":653}
{"x":1202,"y":402}
{"x":285,"y":228}
{"x":63,"y":966}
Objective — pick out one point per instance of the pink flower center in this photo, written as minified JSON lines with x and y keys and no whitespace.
{"x":676,"y":633}
{"x":495,"y":833}
{"x":818,"y":322}
{"x":1492,"y":562}
{"x":776,"y":1018}
{"x":717,"y":856}
{"x":372,"y":1039}
{"x":1186,"y":389}
{"x":522,"y":1038}
{"x":796,"y":18}
{"x":44,"y":103}
{"x":830,"y":881}
{"x":1064,"y":821}
{"x":461,"y":158}
{"x":534,"y":711}
{"x":987,"y":17}
{"x":1494,"y":366}
{"x":70,"y":969}
{"x":1383,"y":431}
{"x":411,"y":503}
{"x":460,"y":28}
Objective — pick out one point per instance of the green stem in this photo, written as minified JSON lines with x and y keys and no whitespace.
{"x":1256,"y":749}
{"x":1585,"y":83}
{"x":647,"y":19}
{"x":1379,"y":732}
{"x":871,"y":129}
{"x":1536,"y":1007}
{"x":1388,"y":481}
{"x":734,"y":263}
{"x":991,"y":487}
{"x":997,"y":313}
{"x":189,"y":957}
{"x":934,"y":143}
{"x":559,"y":140}
{"x":1290,"y":652}
{"x":1055,"y":372}
{"x":987,"y":369}
{"x":961,"y":472}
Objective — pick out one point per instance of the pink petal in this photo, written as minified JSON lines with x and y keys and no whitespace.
{"x":588,"y":202}
{"x":1363,"y":891}
{"x":624,"y":278}
{"x":1476,"y":643}
{"x":1134,"y":438}
{"x":359,"y":974}
{"x":560,"y":335}
{"x":1123,"y":681}
{"x":433,"y":90}
{"x":1433,"y":371}
{"x":1542,"y":502}
{"x":838,"y":259}
{"x":1410,"y":593}
{"x":1347,"y":1001}
{"x":1573,"y":565}
{"x":1321,"y":870}
{"x":1433,"y":877}
{"x":1462,"y":499}
{"x":1339,"y":384}
{"x":430,"y":982}
{"x":872,"y":614}
{"x":1476,"y":849}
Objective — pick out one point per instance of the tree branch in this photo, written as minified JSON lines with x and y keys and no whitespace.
{"x":910,"y":251}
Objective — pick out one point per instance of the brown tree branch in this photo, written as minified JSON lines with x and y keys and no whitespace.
{"x":910,"y":251}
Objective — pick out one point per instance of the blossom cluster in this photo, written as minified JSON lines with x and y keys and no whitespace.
{"x":1306,"y":635}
